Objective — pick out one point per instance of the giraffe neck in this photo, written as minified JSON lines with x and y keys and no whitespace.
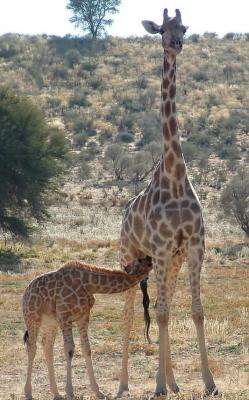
{"x":114,"y":282}
{"x":172,"y":161}
{"x":101,"y":280}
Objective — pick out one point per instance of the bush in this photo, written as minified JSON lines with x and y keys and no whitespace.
{"x":130,"y":103}
{"x":60,"y":72}
{"x":194,"y":38}
{"x":79,"y":139}
{"x":73,"y":57}
{"x":141,"y":82}
{"x":8,"y":50}
{"x":79,"y":99}
{"x":229,"y":35}
{"x":31,"y":155}
{"x":235,"y":199}
{"x":117,"y":159}
{"x":125,"y":137}
{"x":92,"y":149}
{"x":190,"y":151}
{"x":200,"y":76}
{"x":88,"y":66}
{"x":84,"y":167}
{"x":229,"y":151}
{"x":151,"y":128}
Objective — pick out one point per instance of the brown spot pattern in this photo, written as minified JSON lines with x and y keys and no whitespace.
{"x":180,"y":171}
{"x":167,"y":108}
{"x":166,"y":132}
{"x":177,"y":148}
{"x":156,"y":197}
{"x":173,"y":125}
{"x":172,"y":91}
{"x":169,"y":162}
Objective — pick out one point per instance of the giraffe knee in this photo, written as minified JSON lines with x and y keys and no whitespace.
{"x":198,"y":316}
{"x":162,"y":317}
{"x":69,"y":350}
{"x":70,"y":354}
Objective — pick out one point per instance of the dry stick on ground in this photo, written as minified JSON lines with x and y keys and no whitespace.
{"x":62,"y":297}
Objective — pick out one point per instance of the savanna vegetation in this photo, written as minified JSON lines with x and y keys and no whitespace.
{"x":103,"y":97}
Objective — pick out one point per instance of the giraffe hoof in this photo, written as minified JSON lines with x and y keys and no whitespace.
{"x":123,"y":392}
{"x":100,"y":395}
{"x":174,"y":388}
{"x":160,"y":393}
{"x":213,"y":391}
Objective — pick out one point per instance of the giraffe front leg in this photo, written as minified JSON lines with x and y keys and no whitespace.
{"x":82,"y":325}
{"x":171,"y":278}
{"x":195,"y":264}
{"x":166,"y":274}
{"x":128,"y":316}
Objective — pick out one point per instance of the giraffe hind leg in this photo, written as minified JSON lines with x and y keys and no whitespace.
{"x":165,"y":290}
{"x":48,"y":344}
{"x":66,"y":328}
{"x":30,"y":338}
{"x":195,"y":264}
{"x":82,"y":325}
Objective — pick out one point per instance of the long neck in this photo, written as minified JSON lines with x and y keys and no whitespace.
{"x":172,"y":161}
{"x":108,"y":281}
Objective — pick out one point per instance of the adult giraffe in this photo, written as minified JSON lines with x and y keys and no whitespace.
{"x":165,"y":222}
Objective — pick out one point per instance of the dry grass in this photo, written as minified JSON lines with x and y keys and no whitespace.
{"x":225,"y":288}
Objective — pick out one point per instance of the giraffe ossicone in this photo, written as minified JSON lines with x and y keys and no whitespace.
{"x":62,"y":297}
{"x":165,"y":222}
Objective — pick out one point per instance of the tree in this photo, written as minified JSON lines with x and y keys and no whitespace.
{"x":116,"y":156}
{"x":235,"y":199}
{"x":31,"y":157}
{"x":92,"y":15}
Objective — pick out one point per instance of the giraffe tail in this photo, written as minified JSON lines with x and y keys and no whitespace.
{"x":146,"y":304}
{"x":26,"y":337}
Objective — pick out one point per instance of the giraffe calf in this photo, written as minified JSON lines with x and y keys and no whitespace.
{"x":65,"y":296}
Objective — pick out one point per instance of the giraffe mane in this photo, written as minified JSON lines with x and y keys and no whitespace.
{"x":91,"y":268}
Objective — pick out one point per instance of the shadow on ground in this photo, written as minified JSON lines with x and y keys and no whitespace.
{"x":10,"y":261}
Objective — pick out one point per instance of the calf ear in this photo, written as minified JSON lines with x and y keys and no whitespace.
{"x":151,"y":27}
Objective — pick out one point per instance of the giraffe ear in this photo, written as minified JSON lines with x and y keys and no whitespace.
{"x":151,"y":27}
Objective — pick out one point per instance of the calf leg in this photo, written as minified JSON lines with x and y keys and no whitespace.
{"x":82,"y":325}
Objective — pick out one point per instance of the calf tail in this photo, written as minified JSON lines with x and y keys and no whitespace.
{"x":146,"y":304}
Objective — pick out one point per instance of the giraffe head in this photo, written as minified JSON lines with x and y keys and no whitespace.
{"x":172,"y":31}
{"x":140,"y":266}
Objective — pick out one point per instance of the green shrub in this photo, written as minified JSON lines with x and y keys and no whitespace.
{"x":125,"y":137}
{"x":31,"y":156}
{"x":190,"y":151}
{"x":230,"y":151}
{"x":79,"y":99}
{"x":79,"y":139}
{"x":200,"y":76}
{"x":88,"y":66}
{"x":60,"y":72}
{"x":97,"y":84}
{"x":73,"y":57}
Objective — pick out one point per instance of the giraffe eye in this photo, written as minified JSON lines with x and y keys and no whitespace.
{"x":184,"y":30}
{"x":161,"y":31}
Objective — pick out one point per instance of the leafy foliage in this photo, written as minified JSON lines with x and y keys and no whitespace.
{"x":31,"y":157}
